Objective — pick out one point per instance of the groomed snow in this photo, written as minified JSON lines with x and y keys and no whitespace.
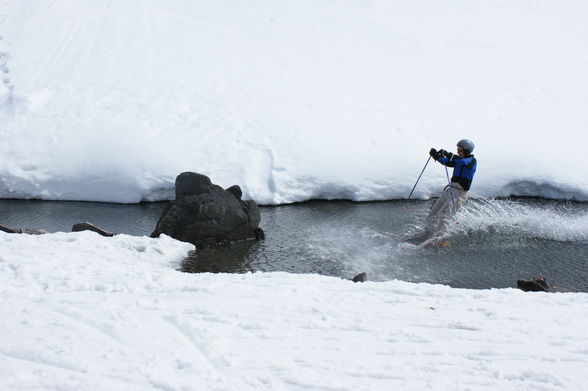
{"x":84,"y":312}
{"x":109,"y":101}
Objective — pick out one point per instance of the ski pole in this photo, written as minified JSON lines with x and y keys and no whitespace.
{"x":419,"y":178}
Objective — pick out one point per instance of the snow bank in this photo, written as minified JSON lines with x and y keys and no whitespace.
{"x":109,"y":101}
{"x":84,"y":312}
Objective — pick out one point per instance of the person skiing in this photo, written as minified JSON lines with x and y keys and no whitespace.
{"x":464,"y":167}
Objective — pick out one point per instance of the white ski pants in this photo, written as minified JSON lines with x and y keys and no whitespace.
{"x":445,"y":207}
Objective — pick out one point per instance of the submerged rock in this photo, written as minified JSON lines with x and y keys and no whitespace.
{"x":537,"y":284}
{"x":85,"y":226}
{"x":206,"y":215}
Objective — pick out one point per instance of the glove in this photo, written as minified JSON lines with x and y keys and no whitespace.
{"x":444,"y":153}
{"x":433,"y":152}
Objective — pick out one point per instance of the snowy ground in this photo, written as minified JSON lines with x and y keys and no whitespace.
{"x":83,"y":312}
{"x":110,"y":100}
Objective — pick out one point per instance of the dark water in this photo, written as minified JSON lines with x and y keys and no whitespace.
{"x":492,"y":243}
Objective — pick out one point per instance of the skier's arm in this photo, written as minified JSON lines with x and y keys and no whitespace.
{"x":446,"y":158}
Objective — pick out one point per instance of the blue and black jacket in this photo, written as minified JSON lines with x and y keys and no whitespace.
{"x":464,"y":168}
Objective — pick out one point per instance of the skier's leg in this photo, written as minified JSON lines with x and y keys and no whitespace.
{"x":432,"y":220}
{"x":451,"y":208}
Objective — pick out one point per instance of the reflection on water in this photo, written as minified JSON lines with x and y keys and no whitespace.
{"x":226,"y":259}
{"x":58,"y":216}
{"x":492,"y":243}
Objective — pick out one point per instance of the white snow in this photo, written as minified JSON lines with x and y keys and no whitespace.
{"x":291,"y":100}
{"x":84,"y":312}
{"x":109,"y":101}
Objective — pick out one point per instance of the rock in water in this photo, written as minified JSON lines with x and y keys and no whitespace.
{"x":537,"y":284}
{"x":361,"y":277}
{"x":85,"y":226}
{"x":22,"y":231}
{"x":206,"y":215}
{"x":9,"y":230}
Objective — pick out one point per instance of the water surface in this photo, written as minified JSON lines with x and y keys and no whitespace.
{"x":492,"y":243}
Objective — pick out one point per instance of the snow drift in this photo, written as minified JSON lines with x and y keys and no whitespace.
{"x":109,"y":101}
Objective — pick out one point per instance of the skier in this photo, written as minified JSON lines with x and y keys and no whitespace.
{"x":464,"y":167}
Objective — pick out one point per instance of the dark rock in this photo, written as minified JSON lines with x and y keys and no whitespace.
{"x":90,"y":227}
{"x":236,"y":191}
{"x":361,"y":277}
{"x":259,"y":234}
{"x":22,"y":231}
{"x":537,"y":284}
{"x":8,"y":230}
{"x":207,"y":215}
{"x":191,"y":183}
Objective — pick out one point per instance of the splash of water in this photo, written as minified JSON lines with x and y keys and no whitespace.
{"x":565,"y":221}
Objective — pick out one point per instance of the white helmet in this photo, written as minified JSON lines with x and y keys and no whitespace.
{"x":467,"y":145}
